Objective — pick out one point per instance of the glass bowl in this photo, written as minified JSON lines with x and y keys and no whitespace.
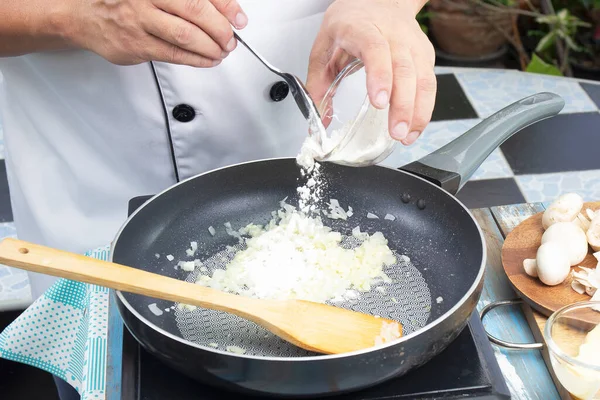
{"x":356,"y":132}
{"x":572,"y":334}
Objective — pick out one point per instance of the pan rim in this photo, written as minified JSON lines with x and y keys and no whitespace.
{"x":399,"y":341}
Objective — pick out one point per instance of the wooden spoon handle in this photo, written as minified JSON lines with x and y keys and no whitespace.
{"x":49,"y":261}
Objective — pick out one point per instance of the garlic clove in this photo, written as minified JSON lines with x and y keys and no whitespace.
{"x":564,"y":209}
{"x":530,"y":266}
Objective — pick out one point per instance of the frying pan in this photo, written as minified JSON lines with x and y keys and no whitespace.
{"x":434,"y":291}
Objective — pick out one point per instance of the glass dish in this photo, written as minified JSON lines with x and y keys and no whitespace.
{"x":357,"y":132}
{"x":572,"y":334}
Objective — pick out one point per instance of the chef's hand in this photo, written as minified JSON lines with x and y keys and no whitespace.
{"x":398,"y":58}
{"x":127,"y":32}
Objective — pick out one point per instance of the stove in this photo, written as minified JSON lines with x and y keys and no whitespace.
{"x":467,"y":369}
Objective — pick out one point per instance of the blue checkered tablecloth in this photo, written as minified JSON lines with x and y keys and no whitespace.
{"x":65,"y":332}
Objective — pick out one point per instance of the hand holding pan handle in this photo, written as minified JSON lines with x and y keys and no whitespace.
{"x":500,"y":342}
{"x":453,"y":164}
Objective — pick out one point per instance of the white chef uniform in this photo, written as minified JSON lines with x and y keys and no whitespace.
{"x":83,"y":136}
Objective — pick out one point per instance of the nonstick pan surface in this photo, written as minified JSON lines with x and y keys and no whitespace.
{"x":438,"y":245}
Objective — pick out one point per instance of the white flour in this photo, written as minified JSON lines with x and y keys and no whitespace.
{"x":370,"y":140}
{"x":311,"y":193}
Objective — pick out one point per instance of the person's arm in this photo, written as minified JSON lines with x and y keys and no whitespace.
{"x":398,"y":57}
{"x":191,"y":32}
{"x":32,"y":26}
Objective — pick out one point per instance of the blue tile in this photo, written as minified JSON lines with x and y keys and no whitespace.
{"x":547,"y":187}
{"x":7,"y":229}
{"x":490,"y":91}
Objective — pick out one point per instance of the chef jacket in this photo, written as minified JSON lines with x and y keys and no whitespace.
{"x":82,"y":136}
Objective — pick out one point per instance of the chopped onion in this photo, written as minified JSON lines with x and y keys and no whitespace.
{"x":212,"y":230}
{"x":170,"y":257}
{"x":358,"y":234}
{"x":154,"y":309}
{"x":235,"y":349}
{"x":439,"y":299}
{"x":188,"y":266}
{"x":372,"y":216}
{"x":157,"y":255}
{"x":215,"y":345}
{"x":187,"y":307}
{"x":259,"y":270}
{"x":389,"y":217}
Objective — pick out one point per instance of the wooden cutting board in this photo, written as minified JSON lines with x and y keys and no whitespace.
{"x":523,"y":242}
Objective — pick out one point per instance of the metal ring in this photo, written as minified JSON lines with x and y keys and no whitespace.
{"x":500,"y":342}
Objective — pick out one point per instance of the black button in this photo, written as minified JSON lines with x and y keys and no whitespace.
{"x":279,"y":91}
{"x":183,"y":113}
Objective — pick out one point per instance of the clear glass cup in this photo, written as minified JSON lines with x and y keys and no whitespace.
{"x":573,"y":338}
{"x":357,"y":132}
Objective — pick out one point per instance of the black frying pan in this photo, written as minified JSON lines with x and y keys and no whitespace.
{"x":435,"y":292}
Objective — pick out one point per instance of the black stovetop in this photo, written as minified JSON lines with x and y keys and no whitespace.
{"x":467,"y":369}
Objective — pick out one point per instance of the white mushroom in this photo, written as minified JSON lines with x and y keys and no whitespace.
{"x":530,"y":266}
{"x":587,"y":280}
{"x":553,"y":264}
{"x":582,"y":221}
{"x":593,"y":233}
{"x":571,"y":236}
{"x":564,"y":209}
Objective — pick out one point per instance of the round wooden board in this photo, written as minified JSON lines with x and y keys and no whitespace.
{"x":523,"y":243}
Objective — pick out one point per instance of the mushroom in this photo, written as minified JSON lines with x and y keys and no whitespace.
{"x":593,"y":233}
{"x":582,"y":221}
{"x":565,"y":208}
{"x":587,"y":281}
{"x":530,"y":266}
{"x":571,"y":236}
{"x":553,"y":264}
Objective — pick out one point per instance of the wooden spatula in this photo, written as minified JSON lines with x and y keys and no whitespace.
{"x":312,"y":326}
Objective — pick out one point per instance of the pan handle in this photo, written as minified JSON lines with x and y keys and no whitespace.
{"x":502,"y":343}
{"x":452,"y":165}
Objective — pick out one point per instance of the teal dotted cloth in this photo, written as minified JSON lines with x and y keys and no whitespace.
{"x":64,"y":332}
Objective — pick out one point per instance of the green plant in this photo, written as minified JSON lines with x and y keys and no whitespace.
{"x":561,"y":26}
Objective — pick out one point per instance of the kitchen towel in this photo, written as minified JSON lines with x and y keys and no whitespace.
{"x":65,"y":332}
